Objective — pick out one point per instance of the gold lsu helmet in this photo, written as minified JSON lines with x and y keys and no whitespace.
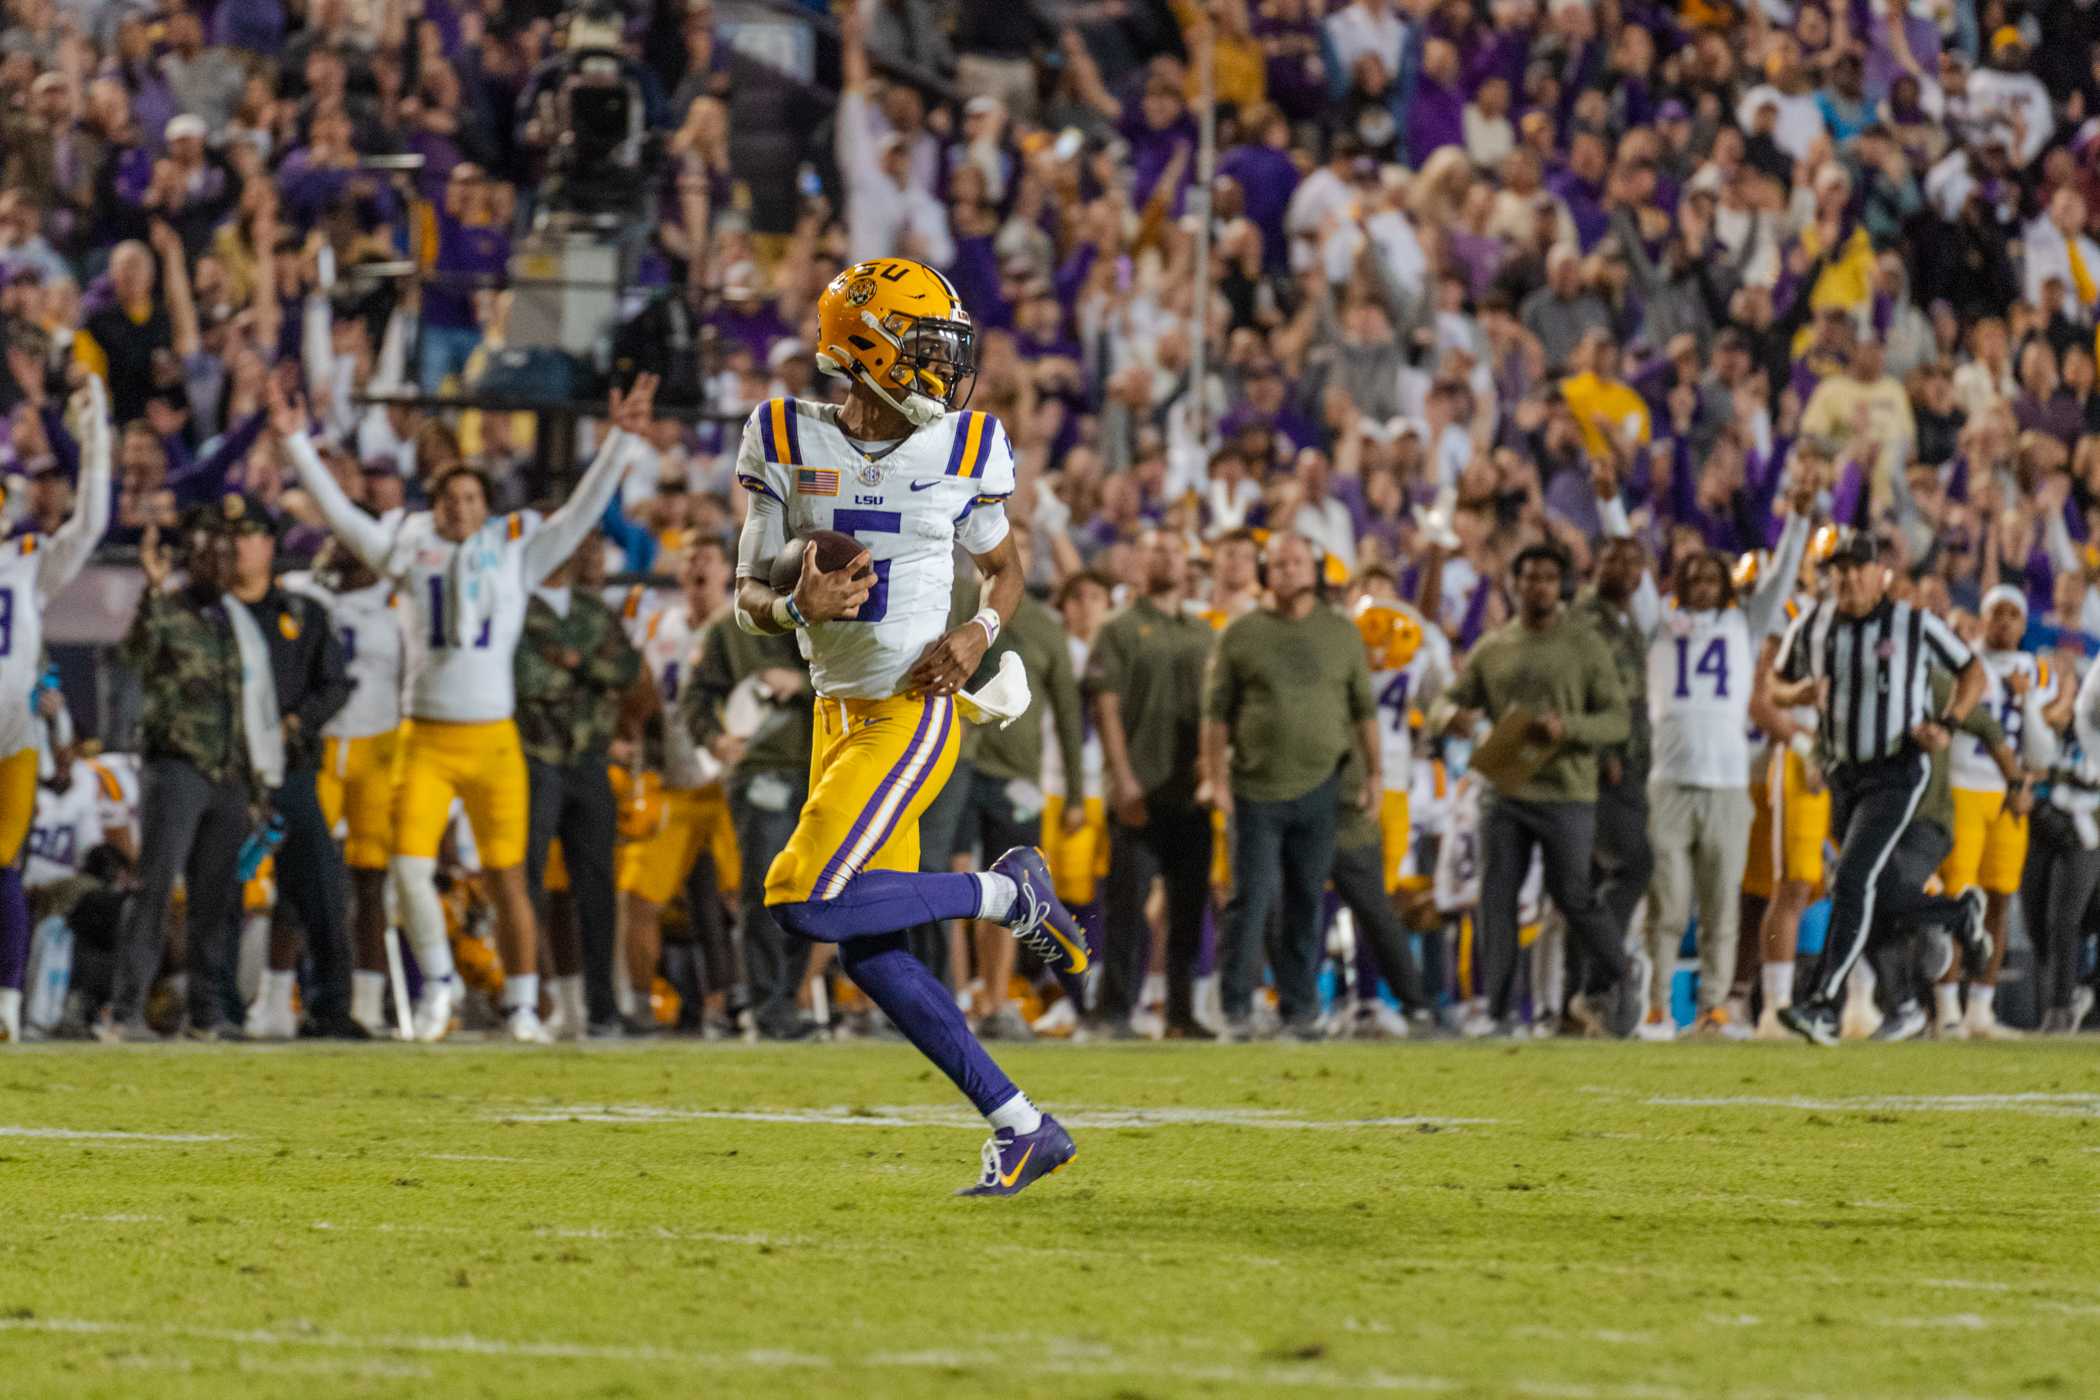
{"x":899,"y":327}
{"x":1391,"y":637}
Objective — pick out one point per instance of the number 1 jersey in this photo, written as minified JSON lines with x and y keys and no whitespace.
{"x":944,"y":485}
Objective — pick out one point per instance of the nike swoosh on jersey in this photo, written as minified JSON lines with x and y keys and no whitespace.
{"x":924,"y":485}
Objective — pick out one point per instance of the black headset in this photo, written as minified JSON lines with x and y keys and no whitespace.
{"x":1320,"y":558}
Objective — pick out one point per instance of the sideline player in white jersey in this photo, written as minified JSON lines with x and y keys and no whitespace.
{"x":34,"y":567}
{"x":695,"y":809}
{"x":901,"y":469}
{"x":360,"y":749}
{"x":1702,"y":650}
{"x":466,"y":577}
{"x":1410,"y":667}
{"x":1990,"y":816}
{"x":68,"y":822}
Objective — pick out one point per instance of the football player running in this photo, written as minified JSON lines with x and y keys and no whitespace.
{"x":467,"y":575}
{"x":909,"y":475}
{"x":33,"y":568}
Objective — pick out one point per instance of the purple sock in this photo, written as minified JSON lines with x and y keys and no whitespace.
{"x":881,"y":901}
{"x":924,"y":1010}
{"x":1366,"y":968}
{"x":14,"y":929}
{"x":1207,"y":954}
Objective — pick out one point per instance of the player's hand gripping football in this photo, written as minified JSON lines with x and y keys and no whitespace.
{"x":827,"y":597}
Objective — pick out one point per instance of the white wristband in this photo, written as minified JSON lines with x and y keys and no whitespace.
{"x":786,"y":616}
{"x":988,"y":619}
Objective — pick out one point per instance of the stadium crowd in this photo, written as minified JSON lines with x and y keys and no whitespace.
{"x":1554,"y":358}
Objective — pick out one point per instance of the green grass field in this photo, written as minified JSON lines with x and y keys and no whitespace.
{"x":1564,"y":1220}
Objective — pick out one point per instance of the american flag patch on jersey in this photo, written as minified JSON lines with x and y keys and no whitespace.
{"x":816,"y":481}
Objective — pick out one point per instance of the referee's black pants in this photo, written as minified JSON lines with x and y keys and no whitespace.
{"x":1871,"y":804}
{"x":1902,"y":908}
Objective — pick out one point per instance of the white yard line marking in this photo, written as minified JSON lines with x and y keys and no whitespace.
{"x":110,"y":1135}
{"x":1066,"y":1358}
{"x":912,"y":1116}
{"x":2044,"y":1105}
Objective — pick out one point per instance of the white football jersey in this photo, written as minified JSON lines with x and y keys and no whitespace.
{"x":1700,"y":669}
{"x":67,"y":825}
{"x":34,"y":567}
{"x":945,"y":484}
{"x":370,"y":624}
{"x":466,"y":600}
{"x":1455,"y":884}
{"x":1399,"y":692}
{"x":669,"y":641}
{"x":1973,"y":769}
{"x":1092,"y":763}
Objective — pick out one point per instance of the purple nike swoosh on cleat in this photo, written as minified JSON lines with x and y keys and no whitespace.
{"x":1012,"y":1161}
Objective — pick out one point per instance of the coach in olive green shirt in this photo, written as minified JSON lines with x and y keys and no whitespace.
{"x":1144,"y":680}
{"x":1288,"y":696}
{"x":1556,"y":667}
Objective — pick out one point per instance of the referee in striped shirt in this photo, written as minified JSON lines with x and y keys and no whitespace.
{"x":1864,"y":660}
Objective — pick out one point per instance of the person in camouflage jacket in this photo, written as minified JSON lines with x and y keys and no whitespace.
{"x":575,"y":664}
{"x":196,"y":804}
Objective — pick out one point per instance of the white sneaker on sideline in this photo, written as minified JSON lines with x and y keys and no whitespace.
{"x":434,"y":1007}
{"x":1061,"y":1019}
{"x":1986,"y":1026}
{"x":1656,"y":1030}
{"x":261,"y":1023}
{"x":524,"y":1026}
{"x":1768,"y":1027}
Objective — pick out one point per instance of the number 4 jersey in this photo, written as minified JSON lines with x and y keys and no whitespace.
{"x":945,"y":484}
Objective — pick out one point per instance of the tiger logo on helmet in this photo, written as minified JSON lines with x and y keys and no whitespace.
{"x":899,"y":327}
{"x":1391,"y":637}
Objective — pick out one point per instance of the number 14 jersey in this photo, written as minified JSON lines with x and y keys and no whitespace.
{"x":1699,"y":673}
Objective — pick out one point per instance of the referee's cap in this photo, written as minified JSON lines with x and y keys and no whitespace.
{"x":2002,"y":593}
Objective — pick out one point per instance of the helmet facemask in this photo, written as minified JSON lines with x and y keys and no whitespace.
{"x":935,"y":369}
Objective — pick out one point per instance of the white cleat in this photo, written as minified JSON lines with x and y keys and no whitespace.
{"x":1768,"y":1027}
{"x":10,"y":1015}
{"x":1987,"y":1027}
{"x":526,"y":1027}
{"x":1060,"y":1020}
{"x":434,"y":1008}
{"x":1656,"y":1029}
{"x":262,"y":1023}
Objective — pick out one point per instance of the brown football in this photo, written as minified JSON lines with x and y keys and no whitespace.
{"x":834,"y":552}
